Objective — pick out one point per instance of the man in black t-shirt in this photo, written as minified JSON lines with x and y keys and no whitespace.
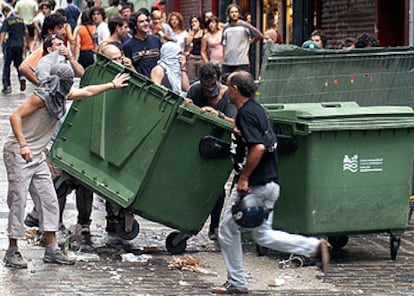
{"x":212,"y":97}
{"x":257,"y":174}
{"x":15,"y":28}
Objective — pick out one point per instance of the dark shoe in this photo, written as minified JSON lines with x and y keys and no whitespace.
{"x":212,"y":234}
{"x":228,"y":288}
{"x":15,"y":260}
{"x":6,"y":90}
{"x":59,"y":257}
{"x":22,"y":84}
{"x":322,"y":254}
{"x":85,"y":229}
{"x":31,"y":221}
{"x":111,"y":227}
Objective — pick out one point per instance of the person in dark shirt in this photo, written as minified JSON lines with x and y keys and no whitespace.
{"x":143,"y":48}
{"x":257,"y":173}
{"x":211,"y":96}
{"x":15,"y":28}
{"x":72,"y":14}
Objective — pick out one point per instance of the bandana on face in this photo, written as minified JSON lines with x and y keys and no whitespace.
{"x":54,"y":89}
{"x":213,"y":91}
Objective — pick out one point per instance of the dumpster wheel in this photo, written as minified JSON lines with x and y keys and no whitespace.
{"x":261,"y":251}
{"x":338,"y":241}
{"x":176,"y":242}
{"x":394,"y":245}
{"x":124,"y":234}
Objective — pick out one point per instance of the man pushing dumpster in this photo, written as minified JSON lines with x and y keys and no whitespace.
{"x":33,"y":124}
{"x":252,"y":199}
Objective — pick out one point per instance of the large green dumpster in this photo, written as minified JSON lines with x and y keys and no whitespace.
{"x":369,"y":76}
{"x":347,"y":169}
{"x":139,"y":147}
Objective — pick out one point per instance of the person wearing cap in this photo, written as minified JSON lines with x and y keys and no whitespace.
{"x":32,"y":126}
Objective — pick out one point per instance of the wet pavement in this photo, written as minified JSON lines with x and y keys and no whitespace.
{"x":110,"y":266}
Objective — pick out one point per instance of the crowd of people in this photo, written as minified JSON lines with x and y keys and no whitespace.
{"x":208,"y":64}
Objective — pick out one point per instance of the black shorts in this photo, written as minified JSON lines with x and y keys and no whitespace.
{"x":31,"y":30}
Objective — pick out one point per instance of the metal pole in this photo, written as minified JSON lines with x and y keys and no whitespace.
{"x":411,"y":23}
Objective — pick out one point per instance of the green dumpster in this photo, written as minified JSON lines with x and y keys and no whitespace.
{"x":140,"y":148}
{"x":369,"y":76}
{"x":344,"y":169}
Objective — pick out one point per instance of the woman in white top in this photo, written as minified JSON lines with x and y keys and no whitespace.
{"x":176,"y":22}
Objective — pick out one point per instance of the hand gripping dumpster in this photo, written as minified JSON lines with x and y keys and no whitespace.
{"x":344,"y":169}
{"x":369,"y":76}
{"x":142,"y":149}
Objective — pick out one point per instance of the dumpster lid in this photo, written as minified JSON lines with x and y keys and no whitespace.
{"x":340,"y":116}
{"x":332,"y":110}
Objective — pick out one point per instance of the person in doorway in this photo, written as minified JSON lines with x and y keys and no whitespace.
{"x":33,"y":124}
{"x":238,"y":35}
{"x":256,"y":166}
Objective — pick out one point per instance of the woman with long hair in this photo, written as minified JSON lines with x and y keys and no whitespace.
{"x":176,"y":22}
{"x":211,"y":47}
{"x":85,"y":46}
{"x":193,"y":43}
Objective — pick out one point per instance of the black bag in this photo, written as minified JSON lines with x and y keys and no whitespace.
{"x":212,"y":147}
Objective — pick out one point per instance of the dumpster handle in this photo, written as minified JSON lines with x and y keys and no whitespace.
{"x":187,"y":117}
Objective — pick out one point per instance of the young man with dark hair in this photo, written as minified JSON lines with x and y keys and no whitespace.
{"x":118,"y":27}
{"x":98,"y":16}
{"x":15,"y":28}
{"x":53,"y":24}
{"x":237,"y":37}
{"x":212,"y":97}
{"x":144,"y":48}
{"x":72,"y":14}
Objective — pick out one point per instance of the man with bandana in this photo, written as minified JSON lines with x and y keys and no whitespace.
{"x":171,"y":70}
{"x":212,"y":97}
{"x":33,"y":124}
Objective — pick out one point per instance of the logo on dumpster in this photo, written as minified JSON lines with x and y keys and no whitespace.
{"x":355,"y":164}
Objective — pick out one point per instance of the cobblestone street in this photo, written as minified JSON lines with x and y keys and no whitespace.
{"x":363,"y":267}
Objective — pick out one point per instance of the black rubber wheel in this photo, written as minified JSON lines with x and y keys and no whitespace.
{"x":261,"y":251}
{"x":173,"y":247}
{"x":394,"y":246}
{"x":338,"y":242}
{"x":120,"y":230}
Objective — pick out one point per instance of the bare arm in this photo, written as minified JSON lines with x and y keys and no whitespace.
{"x":2,"y":37}
{"x":204,"y":54}
{"x":27,"y":72}
{"x":28,"y":107}
{"x":92,"y":90}
{"x":217,"y":113}
{"x":185,"y":81}
{"x":77,"y":68}
{"x":157,"y":74}
{"x":253,"y":158}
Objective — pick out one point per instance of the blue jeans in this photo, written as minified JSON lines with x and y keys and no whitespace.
{"x":15,"y":55}
{"x":264,"y":235}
